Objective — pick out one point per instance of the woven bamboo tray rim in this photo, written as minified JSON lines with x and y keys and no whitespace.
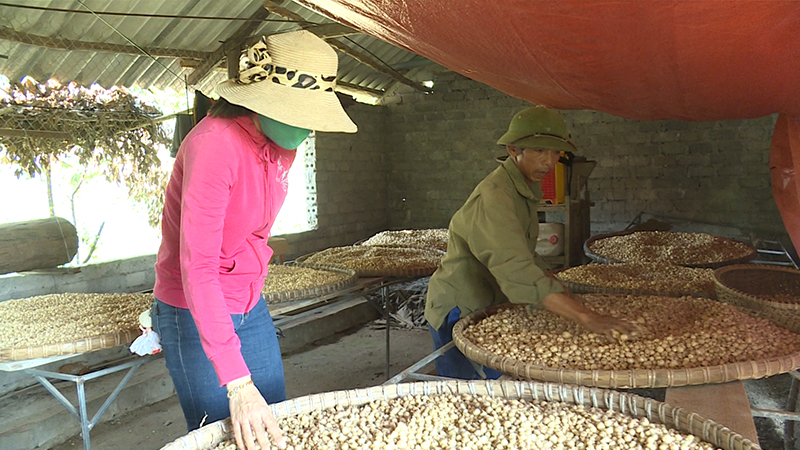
{"x":631,"y":405}
{"x":581,"y":288}
{"x":399,"y":273}
{"x":419,"y":247}
{"x":632,"y":378}
{"x":711,"y":265}
{"x":760,"y":275}
{"x":594,"y":256}
{"x":90,"y":344}
{"x":422,"y":246}
{"x":316,"y":291}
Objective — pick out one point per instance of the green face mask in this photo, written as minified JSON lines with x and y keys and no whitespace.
{"x":286,"y":136}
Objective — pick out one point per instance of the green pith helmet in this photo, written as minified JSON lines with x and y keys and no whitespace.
{"x":538,"y":127}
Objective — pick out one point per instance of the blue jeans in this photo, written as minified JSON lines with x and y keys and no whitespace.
{"x":202,"y":399}
{"x":453,"y":364}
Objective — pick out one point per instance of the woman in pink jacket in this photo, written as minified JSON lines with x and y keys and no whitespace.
{"x":228,"y":184}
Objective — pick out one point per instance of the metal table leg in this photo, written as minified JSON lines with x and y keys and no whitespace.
{"x":791,"y":405}
{"x":81,"y":412}
{"x":385,"y":297}
{"x":411,"y":372}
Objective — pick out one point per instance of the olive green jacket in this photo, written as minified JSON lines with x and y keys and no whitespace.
{"x":491,"y":245}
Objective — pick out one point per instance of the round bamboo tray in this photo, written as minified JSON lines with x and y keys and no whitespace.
{"x":580,"y":288}
{"x":387,"y":272}
{"x":597,"y":258}
{"x":710,"y":265}
{"x":583,"y":288}
{"x":94,"y":343}
{"x":406,"y":238}
{"x":71,"y":323}
{"x":316,"y":291}
{"x":636,"y":378}
{"x":687,"y":422}
{"x":759,"y":286}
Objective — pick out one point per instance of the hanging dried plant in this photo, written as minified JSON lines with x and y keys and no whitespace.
{"x":106,"y":127}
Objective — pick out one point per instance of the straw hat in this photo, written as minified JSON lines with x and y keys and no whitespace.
{"x":290,"y":77}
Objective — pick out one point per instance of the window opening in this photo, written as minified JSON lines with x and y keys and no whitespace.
{"x":299,"y":212}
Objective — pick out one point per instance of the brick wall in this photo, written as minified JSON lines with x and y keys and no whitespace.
{"x":351,"y":184}
{"x":443,"y":144}
{"x":712,"y":172}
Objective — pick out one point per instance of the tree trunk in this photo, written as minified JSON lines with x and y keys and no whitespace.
{"x":37,"y":244}
{"x":48,"y":175}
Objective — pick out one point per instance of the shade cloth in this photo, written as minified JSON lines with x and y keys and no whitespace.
{"x":691,"y":60}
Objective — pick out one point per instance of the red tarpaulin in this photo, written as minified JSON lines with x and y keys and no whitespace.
{"x":695,"y":60}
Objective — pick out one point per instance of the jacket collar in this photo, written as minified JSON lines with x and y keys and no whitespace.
{"x":260,"y":141}
{"x":532,"y":191}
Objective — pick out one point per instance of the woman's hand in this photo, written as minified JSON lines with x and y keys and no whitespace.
{"x":251,"y":416}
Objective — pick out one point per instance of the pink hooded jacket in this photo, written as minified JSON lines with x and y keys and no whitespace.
{"x":227,"y":185}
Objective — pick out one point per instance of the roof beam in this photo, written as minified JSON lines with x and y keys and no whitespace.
{"x":367,"y":60}
{"x":331,"y":30}
{"x":235,"y":40}
{"x":361,"y":57}
{"x":69,"y":44}
{"x":345,"y":87}
{"x":279,"y":10}
{"x":186,"y":63}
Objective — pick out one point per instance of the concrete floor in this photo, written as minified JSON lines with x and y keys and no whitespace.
{"x":348,"y":360}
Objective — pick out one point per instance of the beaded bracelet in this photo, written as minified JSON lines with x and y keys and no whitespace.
{"x":238,"y":388}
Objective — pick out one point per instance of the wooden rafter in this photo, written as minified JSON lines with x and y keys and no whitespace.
{"x":356,"y":88}
{"x":279,"y":10}
{"x":69,"y":44}
{"x":330,"y":30}
{"x":361,"y":57}
{"x":365,"y":59}
{"x":187,"y":63}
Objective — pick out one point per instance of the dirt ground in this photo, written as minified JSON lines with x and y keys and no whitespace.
{"x":346,"y":361}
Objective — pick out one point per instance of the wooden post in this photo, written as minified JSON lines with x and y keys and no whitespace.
{"x":232,"y":52}
{"x":579,"y":224}
{"x":37,"y":244}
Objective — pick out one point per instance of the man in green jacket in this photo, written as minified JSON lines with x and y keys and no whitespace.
{"x":491,"y":244}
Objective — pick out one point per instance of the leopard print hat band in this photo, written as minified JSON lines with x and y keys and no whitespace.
{"x":256,"y":65}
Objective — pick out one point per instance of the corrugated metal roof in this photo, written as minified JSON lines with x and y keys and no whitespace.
{"x":28,"y":37}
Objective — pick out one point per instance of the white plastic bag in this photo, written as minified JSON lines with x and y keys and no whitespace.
{"x":148,"y":343}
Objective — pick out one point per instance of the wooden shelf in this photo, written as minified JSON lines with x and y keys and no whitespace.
{"x":545,"y":207}
{"x":577,"y":222}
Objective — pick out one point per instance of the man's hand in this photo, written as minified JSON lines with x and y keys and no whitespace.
{"x":609,"y":326}
{"x":566,"y":306}
{"x":251,"y":416}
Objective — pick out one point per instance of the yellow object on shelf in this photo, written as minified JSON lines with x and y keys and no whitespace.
{"x":553,"y":185}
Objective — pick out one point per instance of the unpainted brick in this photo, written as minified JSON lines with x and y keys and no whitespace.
{"x":701,"y":171}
